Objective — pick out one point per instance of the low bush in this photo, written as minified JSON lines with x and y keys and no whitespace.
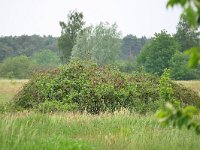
{"x":84,"y":86}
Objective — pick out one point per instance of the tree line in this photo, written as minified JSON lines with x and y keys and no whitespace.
{"x":11,"y":46}
{"x":104,"y":45}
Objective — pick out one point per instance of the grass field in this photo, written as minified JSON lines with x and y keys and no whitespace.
{"x":194,"y":85}
{"x":8,"y":88}
{"x":118,"y":131}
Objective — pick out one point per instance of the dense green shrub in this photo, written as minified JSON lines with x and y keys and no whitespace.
{"x":85,"y":86}
{"x":100,"y":44}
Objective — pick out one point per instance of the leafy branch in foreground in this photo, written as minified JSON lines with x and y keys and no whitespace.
{"x":194,"y":53}
{"x":172,"y":112}
{"x":178,"y":117}
{"x":191,"y":10}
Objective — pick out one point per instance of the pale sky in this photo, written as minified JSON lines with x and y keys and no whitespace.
{"x":137,"y":17}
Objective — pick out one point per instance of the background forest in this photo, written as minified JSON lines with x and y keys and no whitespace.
{"x":103,"y":44}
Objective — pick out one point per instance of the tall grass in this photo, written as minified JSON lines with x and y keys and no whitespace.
{"x":122,"y":130}
{"x":8,"y":88}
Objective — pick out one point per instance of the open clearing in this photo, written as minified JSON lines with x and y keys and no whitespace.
{"x":121,"y":130}
{"x":8,"y":88}
{"x":194,"y":85}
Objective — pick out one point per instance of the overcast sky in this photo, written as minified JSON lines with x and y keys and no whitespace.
{"x":138,"y":17}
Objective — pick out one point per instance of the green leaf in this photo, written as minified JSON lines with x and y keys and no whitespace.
{"x":161,"y":114}
{"x":194,"y":53}
{"x":190,"y":110}
{"x":191,"y":15}
{"x":174,"y":2}
{"x":182,"y":2}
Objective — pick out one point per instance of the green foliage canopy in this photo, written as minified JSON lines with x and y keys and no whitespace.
{"x":46,"y":59}
{"x":131,"y":46}
{"x":19,"y":67}
{"x":186,"y":36}
{"x":69,"y":33}
{"x":156,"y":55}
{"x":180,"y":69}
{"x":100,"y":44}
{"x":11,"y":46}
{"x":191,"y":11}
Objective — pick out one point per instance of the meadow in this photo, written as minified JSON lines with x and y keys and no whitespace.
{"x":8,"y":88}
{"x":194,"y":85}
{"x":120,"y":130}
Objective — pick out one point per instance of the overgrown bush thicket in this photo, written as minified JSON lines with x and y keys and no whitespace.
{"x":84,"y":86}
